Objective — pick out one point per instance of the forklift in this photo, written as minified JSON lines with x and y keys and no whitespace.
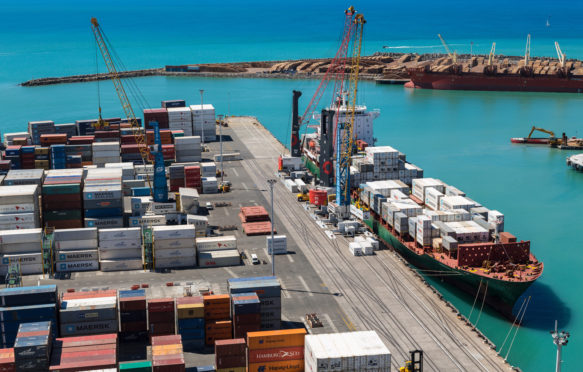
{"x":415,"y":364}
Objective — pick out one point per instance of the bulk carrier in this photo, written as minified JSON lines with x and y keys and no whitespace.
{"x":434,"y":226}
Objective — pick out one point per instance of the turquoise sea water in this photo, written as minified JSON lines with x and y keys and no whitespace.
{"x":459,"y":137}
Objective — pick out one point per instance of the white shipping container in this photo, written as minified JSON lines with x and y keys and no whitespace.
{"x":174,"y":252}
{"x":131,"y":233}
{"x":355,"y":248}
{"x":120,"y":244}
{"x":20,"y":236}
{"x":161,"y":244}
{"x":72,"y":266}
{"x":25,"y":269}
{"x":229,"y":257}
{"x":121,"y":265}
{"x":113,"y":254}
{"x":216,"y":243}
{"x":76,"y":244}
{"x":80,"y":255}
{"x":18,"y":218}
{"x":173,"y":232}
{"x":291,"y":186}
{"x":171,"y":263}
{"x":87,"y":233}
{"x":163,"y":208}
{"x":18,"y":208}
{"x":24,"y":258}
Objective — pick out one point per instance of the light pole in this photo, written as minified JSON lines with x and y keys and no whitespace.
{"x":221,"y":143}
{"x":560,"y":339}
{"x":271,"y":183}
{"x":202,"y":115}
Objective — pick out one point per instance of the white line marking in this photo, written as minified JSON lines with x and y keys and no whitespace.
{"x":305,"y":286}
{"x":231,"y":272}
{"x":235,"y":171}
{"x":284,"y":292}
{"x":244,"y":186}
{"x":227,"y":212}
{"x":290,"y":258}
{"x":329,"y":320}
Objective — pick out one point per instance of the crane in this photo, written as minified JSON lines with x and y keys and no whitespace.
{"x":527,"y":51}
{"x":345,"y":131}
{"x":159,"y":171}
{"x":453,"y":55}
{"x":560,"y":54}
{"x":491,"y":56}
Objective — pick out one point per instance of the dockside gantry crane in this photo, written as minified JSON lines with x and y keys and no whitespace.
{"x":159,"y":190}
{"x":345,"y":130}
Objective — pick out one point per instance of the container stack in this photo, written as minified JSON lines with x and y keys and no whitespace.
{"x":189,"y":202}
{"x":167,"y":354}
{"x":76,"y":250}
{"x":179,"y":118}
{"x":190,"y":313}
{"x":255,"y":220}
{"x":88,"y":313}
{"x":24,"y":177}
{"x":352,"y":351}
{"x":192,"y":177}
{"x":200,"y":224}
{"x":218,"y":325}
{"x":7,"y":360}
{"x":159,"y":115}
{"x":70,"y":129}
{"x":85,"y":353}
{"x":58,"y":157}
{"x":208,"y":169}
{"x":38,"y":128}
{"x":278,"y":244}
{"x":246,"y":314}
{"x":53,"y":139}
{"x":120,"y":249}
{"x":105,"y":152}
{"x":19,"y":207}
{"x":218,"y":251}
{"x":24,"y":305}
{"x":22,"y":246}
{"x":161,"y":317}
{"x":41,"y":158}
{"x":277,"y":350}
{"x":27,"y":157}
{"x":173,"y":103}
{"x":133,"y":314}
{"x":62,"y":200}
{"x":176,"y":175}
{"x":210,"y":185}
{"x":79,"y":155}
{"x":231,"y":355}
{"x":187,"y":148}
{"x":102,"y":197}
{"x":268,"y":290}
{"x":32,"y":349}
{"x":174,"y":246}
{"x":204,"y":122}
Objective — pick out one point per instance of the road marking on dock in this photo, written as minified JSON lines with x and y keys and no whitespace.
{"x":290,"y":258}
{"x":227,"y":212}
{"x":305,"y":286}
{"x":231,"y":272}
{"x":244,"y":185}
{"x":329,"y":320}
{"x":235,"y":171}
{"x":347,"y":321}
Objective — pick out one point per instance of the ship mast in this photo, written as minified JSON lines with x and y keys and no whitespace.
{"x":560,"y":339}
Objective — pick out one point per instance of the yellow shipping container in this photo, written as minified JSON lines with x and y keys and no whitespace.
{"x":274,"y":339}
{"x":41,"y":164}
{"x":175,"y":349}
{"x":287,"y":366}
{"x":189,"y":311}
{"x":41,"y":151}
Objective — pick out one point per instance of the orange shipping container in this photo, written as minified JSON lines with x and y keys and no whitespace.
{"x":275,"y":339}
{"x":276,"y":354}
{"x":216,"y":299}
{"x":287,"y":366}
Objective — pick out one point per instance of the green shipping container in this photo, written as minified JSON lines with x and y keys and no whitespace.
{"x":136,"y":366}
{"x":67,"y":214}
{"x":70,"y":188}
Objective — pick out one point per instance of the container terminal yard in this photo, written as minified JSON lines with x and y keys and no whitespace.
{"x":146,"y":244}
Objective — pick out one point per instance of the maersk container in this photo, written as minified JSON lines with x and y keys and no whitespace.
{"x":77,"y":266}
{"x":151,"y":220}
{"x":102,"y":192}
{"x":29,"y":313}
{"x":121,"y":264}
{"x":19,"y":296}
{"x":105,"y":222}
{"x":25,"y":269}
{"x":103,"y":212}
{"x":78,"y":255}
{"x":89,"y":328}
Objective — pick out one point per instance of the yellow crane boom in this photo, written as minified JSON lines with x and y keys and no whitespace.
{"x":121,"y":93}
{"x":453,"y":55}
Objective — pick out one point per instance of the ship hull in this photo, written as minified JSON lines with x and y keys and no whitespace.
{"x":500,"y":295}
{"x":476,"y":81}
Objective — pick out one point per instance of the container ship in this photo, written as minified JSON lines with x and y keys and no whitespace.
{"x":435,"y":226}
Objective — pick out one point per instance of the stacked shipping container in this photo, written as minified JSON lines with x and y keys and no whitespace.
{"x":22,"y":246}
{"x":218,"y":325}
{"x":88,"y":313}
{"x":245,"y":313}
{"x":19,"y":207}
{"x":133,"y":314}
{"x":190,"y":313}
{"x":120,"y":249}
{"x":76,"y":249}
{"x":174,"y":246}
{"x":102,"y":197}
{"x":218,"y":251}
{"x":204,"y":122}
{"x":161,"y":316}
{"x":85,"y":353}
{"x":272,"y":351}
{"x":231,"y":355}
{"x":167,"y":354}
{"x":268,"y":290}
{"x":62,"y":201}
{"x":188,"y":148}
{"x":32,"y":349}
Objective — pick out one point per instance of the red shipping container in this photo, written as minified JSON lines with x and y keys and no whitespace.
{"x":160,"y":317}
{"x":90,"y":294}
{"x":161,"y":305}
{"x":162,"y":328}
{"x":278,"y":354}
{"x":64,"y":224}
{"x":31,"y":334}
{"x":139,"y":326}
{"x":173,"y":365}
{"x":231,"y":347}
{"x":132,"y":303}
{"x":230,"y":361}
{"x":247,"y":319}
{"x":166,"y":340}
{"x":109,"y":338}
{"x":78,"y":349}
